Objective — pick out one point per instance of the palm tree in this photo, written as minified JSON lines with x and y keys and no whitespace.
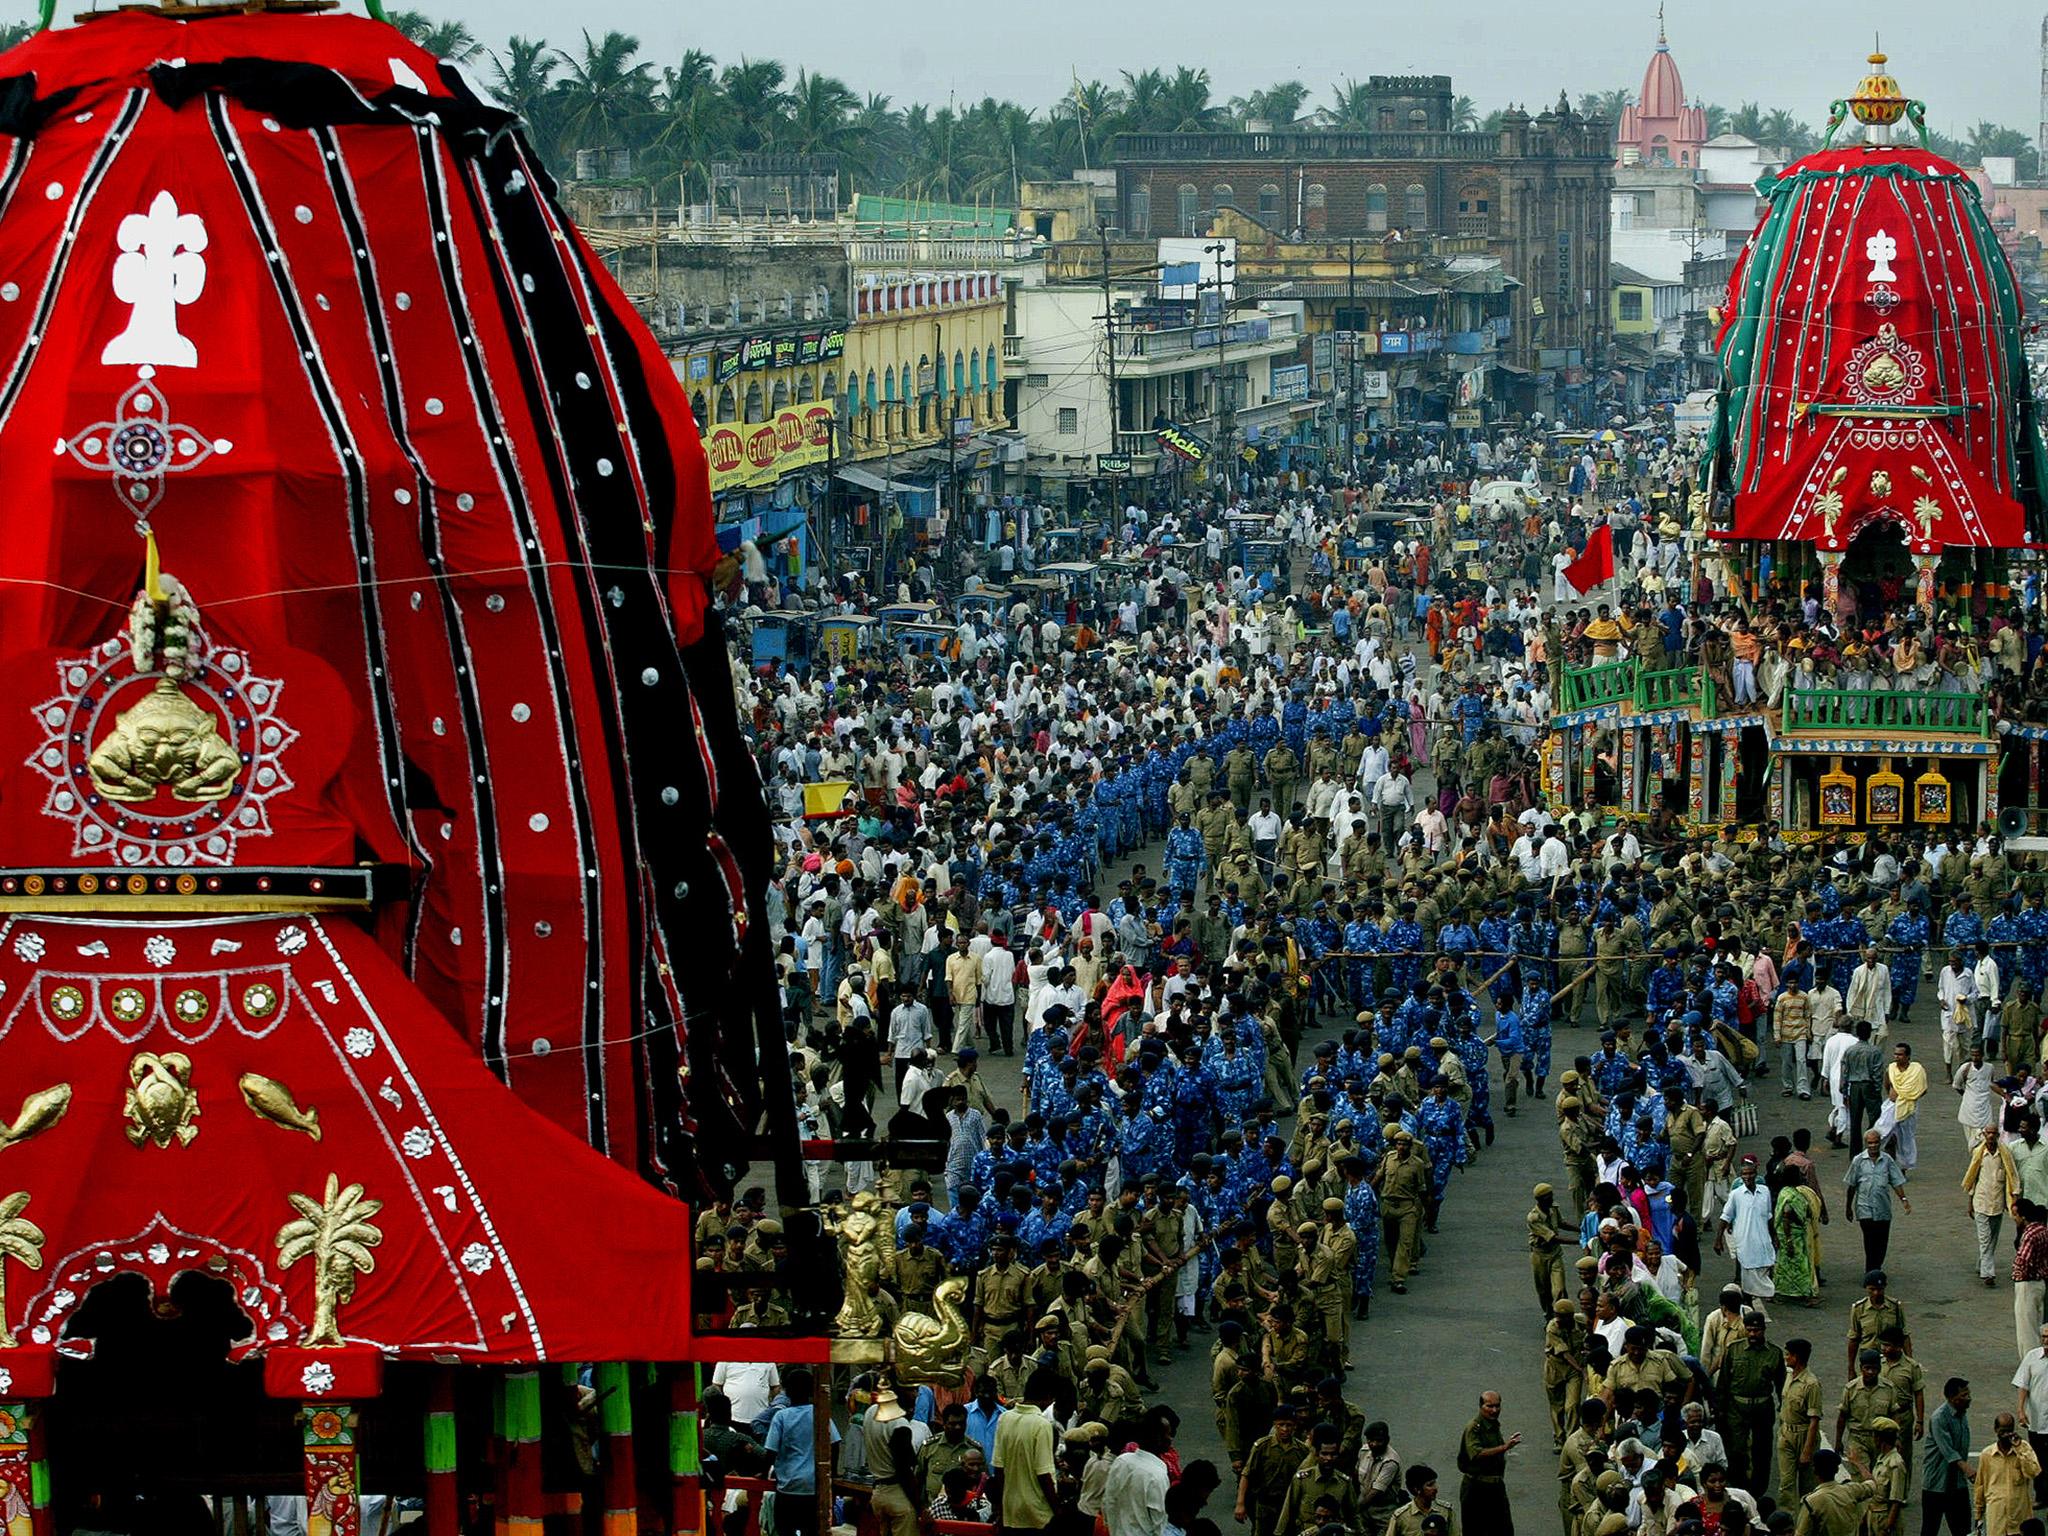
{"x":1605,"y":105}
{"x":1717,"y":119}
{"x":1748,"y":120}
{"x":1464,"y":114}
{"x":1144,"y":104}
{"x":443,"y":39}
{"x":335,"y":1233}
{"x":1782,"y":130}
{"x":875,"y":141}
{"x":1351,"y":104}
{"x":693,"y":125}
{"x":525,"y":83}
{"x":605,"y":95}
{"x":1003,"y":148}
{"x":819,"y":108}
{"x":1080,"y":127}
{"x":22,"y":1241}
{"x":12,"y":32}
{"x":934,"y":157}
{"x":1279,"y":104}
{"x":1491,"y":122}
{"x":1184,"y":103}
{"x":753,"y":89}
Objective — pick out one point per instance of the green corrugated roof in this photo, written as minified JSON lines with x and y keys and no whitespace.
{"x":898,"y":216}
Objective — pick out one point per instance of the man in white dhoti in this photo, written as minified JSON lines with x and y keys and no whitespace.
{"x":1746,"y":1216}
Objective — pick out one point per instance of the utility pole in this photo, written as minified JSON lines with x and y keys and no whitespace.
{"x":1109,"y":344}
{"x":939,"y":373}
{"x":1225,"y":417}
{"x":1351,"y":411}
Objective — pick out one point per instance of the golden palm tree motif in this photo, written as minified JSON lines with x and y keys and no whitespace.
{"x":22,"y":1241}
{"x":335,"y":1232}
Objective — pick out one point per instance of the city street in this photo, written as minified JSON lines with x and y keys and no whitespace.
{"x":1470,"y":1324}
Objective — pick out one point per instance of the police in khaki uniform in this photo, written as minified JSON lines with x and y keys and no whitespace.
{"x":1001,"y":1294}
{"x":1564,"y":1371}
{"x":1404,"y":1197}
{"x":1281,"y":1220}
{"x":1546,"y":1238}
{"x":1322,"y":1479}
{"x":1865,"y":1400}
{"x":1337,"y":1253}
{"x":1578,"y":1136}
{"x":1831,"y":1508}
{"x":1798,"y":1426}
{"x":1746,"y":1391}
{"x":1268,"y":1476}
{"x":1888,"y":1505}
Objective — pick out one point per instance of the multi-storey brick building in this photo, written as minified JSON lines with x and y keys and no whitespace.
{"x":1537,"y":191}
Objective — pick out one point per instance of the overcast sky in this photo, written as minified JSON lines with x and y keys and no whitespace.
{"x":1979,"y":59}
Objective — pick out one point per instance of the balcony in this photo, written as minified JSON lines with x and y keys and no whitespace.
{"x":1885,"y":710}
{"x":1469,"y":343}
{"x":1013,"y":349}
{"x":1255,"y":330}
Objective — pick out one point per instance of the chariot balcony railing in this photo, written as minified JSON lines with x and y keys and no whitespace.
{"x":1607,"y":682}
{"x":1851,"y":709}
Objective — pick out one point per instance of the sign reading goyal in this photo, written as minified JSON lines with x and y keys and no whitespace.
{"x":744,"y":454}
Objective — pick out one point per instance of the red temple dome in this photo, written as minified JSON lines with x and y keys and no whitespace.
{"x":1658,"y":127}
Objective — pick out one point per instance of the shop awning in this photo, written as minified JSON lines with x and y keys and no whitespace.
{"x":868,"y":480}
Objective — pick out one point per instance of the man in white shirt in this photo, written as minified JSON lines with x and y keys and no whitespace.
{"x":1134,"y":1497}
{"x":1985,"y":1003}
{"x":749,"y":1385}
{"x":999,"y":997}
{"x":1870,"y":993}
{"x":910,"y":1031}
{"x":1553,"y":859}
{"x":1264,"y":825}
{"x":1524,"y":852}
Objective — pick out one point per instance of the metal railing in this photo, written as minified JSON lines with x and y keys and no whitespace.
{"x":1837,"y":709}
{"x":1178,"y":341}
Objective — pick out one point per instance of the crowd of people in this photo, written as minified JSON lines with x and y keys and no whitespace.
{"x":1246,"y":867}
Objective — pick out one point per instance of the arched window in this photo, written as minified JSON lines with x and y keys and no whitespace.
{"x":831,"y":385}
{"x":989,"y":372}
{"x":873,"y":398}
{"x":889,"y":385}
{"x":781,"y":396}
{"x":974,"y":373}
{"x":853,"y":395}
{"x":1269,"y":201}
{"x":754,"y":403}
{"x":959,"y":373}
{"x":1317,"y":206}
{"x":1415,"y":210}
{"x":1222,"y":196}
{"x":1141,"y":210}
{"x":805,"y":392}
{"x":1376,"y":207}
{"x":727,"y":404}
{"x":697,"y":404}
{"x":1190,"y":202}
{"x":1475,"y":210}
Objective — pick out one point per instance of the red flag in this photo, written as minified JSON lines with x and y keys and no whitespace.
{"x":1596,"y":564}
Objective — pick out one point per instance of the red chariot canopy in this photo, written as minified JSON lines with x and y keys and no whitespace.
{"x":1872,"y":370}
{"x":291,"y":292}
{"x":174,"y":1084}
